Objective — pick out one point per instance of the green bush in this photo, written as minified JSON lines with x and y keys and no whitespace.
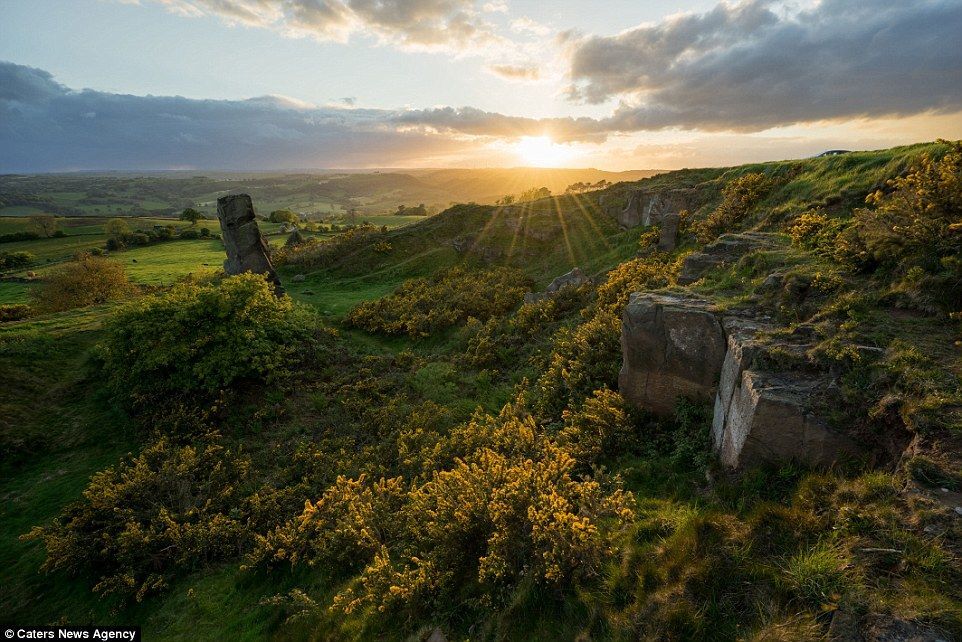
{"x":87,"y":280}
{"x":283,"y":216}
{"x":165,"y":512}
{"x":189,"y":233}
{"x":512,"y":510}
{"x":739,"y":196}
{"x":200,"y":339}
{"x":420,"y":307}
{"x":16,"y":260}
{"x":14,"y":312}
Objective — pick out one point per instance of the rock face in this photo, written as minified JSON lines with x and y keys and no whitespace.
{"x":675,"y":346}
{"x":672,"y":347}
{"x":650,"y":207}
{"x":762,"y":416}
{"x":668,"y":237}
{"x":246,"y":249}
{"x":726,"y":249}
{"x":575,"y":278}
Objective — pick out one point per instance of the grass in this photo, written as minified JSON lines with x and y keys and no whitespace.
{"x":702,"y":560}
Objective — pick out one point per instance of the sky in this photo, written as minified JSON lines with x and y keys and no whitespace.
{"x":621,"y":84}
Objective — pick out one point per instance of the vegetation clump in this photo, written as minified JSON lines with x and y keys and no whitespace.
{"x":171,"y":509}
{"x":739,"y":197}
{"x":421,"y":307}
{"x":87,"y":280}
{"x":200,"y":339}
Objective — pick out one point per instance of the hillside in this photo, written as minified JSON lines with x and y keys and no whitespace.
{"x":327,"y":195}
{"x":433,"y":435}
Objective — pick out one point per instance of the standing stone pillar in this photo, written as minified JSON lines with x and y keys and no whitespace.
{"x":246,"y":249}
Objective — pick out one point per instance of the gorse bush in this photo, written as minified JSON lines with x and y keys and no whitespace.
{"x":420,"y":307}
{"x":170,"y":509}
{"x":739,"y":197}
{"x":88,"y":280}
{"x":512,"y":509}
{"x":196,"y":340}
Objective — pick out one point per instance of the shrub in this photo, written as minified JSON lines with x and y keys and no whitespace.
{"x":88,"y":280}
{"x":199,"y":339}
{"x":511,"y":510}
{"x":13,"y":237}
{"x":15,"y":260}
{"x":189,"y":233}
{"x":917,"y":223}
{"x":739,"y":196}
{"x":420,"y":307}
{"x":604,"y":427}
{"x":283,"y":216}
{"x":169,"y":510}
{"x":14,"y":312}
{"x":205,"y":232}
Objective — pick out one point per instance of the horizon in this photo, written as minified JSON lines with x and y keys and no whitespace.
{"x":417,"y":84}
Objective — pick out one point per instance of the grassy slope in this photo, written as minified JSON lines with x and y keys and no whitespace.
{"x":82,"y":435}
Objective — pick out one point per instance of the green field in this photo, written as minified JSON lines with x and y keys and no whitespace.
{"x":772,"y":552}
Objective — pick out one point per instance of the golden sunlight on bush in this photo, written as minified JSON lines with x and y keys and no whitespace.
{"x":88,"y":280}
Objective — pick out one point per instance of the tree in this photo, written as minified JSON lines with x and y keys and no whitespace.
{"x":43,"y":224}
{"x":117,"y":227}
{"x":507,"y":199}
{"x":284,"y":216}
{"x":400,"y":210}
{"x":192,"y":215}
{"x":534,"y":194}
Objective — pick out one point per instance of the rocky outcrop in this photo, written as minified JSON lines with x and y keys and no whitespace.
{"x":246,"y":249}
{"x":763,"y":416}
{"x":676,"y":346}
{"x":646,"y":207}
{"x":725,"y":250}
{"x":573,"y":279}
{"x":668,"y":235}
{"x":672,"y":346}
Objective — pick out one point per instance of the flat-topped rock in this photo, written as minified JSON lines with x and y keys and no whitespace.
{"x":672,"y":346}
{"x":725,"y":250}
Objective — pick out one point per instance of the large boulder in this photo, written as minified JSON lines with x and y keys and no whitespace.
{"x":647,"y":207}
{"x":762,"y":416}
{"x":246,"y":249}
{"x":672,"y":346}
{"x":727,"y":249}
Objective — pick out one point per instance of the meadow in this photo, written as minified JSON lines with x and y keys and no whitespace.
{"x":404,"y":445}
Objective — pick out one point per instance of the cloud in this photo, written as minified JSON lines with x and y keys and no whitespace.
{"x":755,"y":65}
{"x":433,"y":25}
{"x":516,"y":72}
{"x":45,"y":126}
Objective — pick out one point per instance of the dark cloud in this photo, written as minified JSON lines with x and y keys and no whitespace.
{"x":45,"y":126}
{"x":752,"y":65}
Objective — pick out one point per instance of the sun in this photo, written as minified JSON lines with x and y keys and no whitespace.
{"x":541,"y":151}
